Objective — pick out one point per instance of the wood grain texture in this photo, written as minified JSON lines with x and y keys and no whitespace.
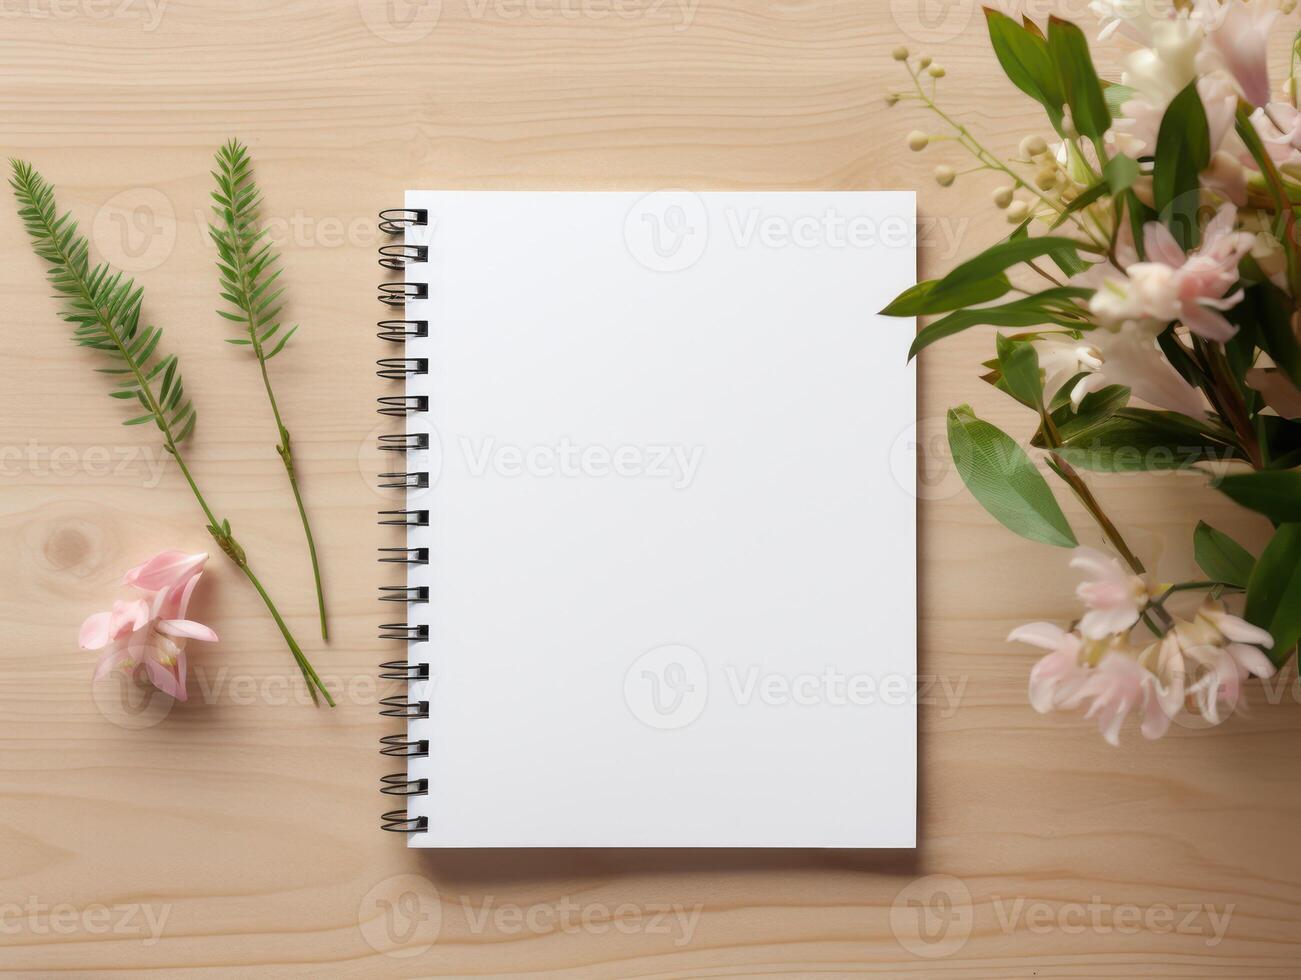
{"x":242,"y":827}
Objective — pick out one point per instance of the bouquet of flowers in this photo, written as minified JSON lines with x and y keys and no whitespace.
{"x":1151,"y":280}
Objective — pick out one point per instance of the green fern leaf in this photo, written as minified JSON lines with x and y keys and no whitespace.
{"x":104,"y":307}
{"x":246,"y":260}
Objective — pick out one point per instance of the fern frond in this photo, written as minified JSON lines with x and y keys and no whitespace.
{"x":103,"y":306}
{"x":246,"y":259}
{"x":250,"y":284}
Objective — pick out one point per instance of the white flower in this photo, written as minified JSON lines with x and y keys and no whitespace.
{"x":1056,"y":678}
{"x":1241,"y":38}
{"x":1062,"y":358}
{"x":1117,"y":686}
{"x":1132,"y":18}
{"x":1224,"y":651}
{"x":1131,"y":357}
{"x":1170,"y":285}
{"x":1279,"y":126}
{"x":1114,"y":596}
{"x":1162,"y":70}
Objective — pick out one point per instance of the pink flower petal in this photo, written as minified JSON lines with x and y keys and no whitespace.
{"x":1160,"y":245}
{"x":188,"y":629}
{"x":165,"y":680}
{"x":110,"y":659}
{"x":95,"y":631}
{"x":1207,"y":323}
{"x":1250,"y":660}
{"x":165,"y":570}
{"x":1240,"y":631}
{"x":1047,"y":636}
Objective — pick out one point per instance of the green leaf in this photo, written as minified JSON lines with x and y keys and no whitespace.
{"x":1116,"y":95}
{"x":1183,"y":151}
{"x":1095,"y":408}
{"x":1137,"y":439}
{"x":1120,"y":172}
{"x":1220,"y":557}
{"x":1019,"y":365}
{"x":923,"y":298}
{"x":1051,"y":306}
{"x":1069,"y":50}
{"x":978,"y":279}
{"x":1274,"y":591}
{"x":1274,"y":493}
{"x":1270,"y":310}
{"x":1004,"y":480}
{"x":102,"y":303}
{"x":1023,"y":54}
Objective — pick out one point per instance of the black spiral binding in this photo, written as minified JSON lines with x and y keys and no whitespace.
{"x":396,"y":294}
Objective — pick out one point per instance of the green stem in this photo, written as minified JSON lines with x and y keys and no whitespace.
{"x":284,"y":449}
{"x":219,"y":529}
{"x":1109,"y":530}
{"x":974,"y":146}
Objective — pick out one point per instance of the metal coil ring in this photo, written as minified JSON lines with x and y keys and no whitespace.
{"x":398,"y":257}
{"x":393,"y":221}
{"x":398,"y":331}
{"x":400,"y":670}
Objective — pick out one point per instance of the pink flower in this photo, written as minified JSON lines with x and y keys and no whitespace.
{"x":165,"y":570}
{"x":1056,"y":678}
{"x":1115,"y":597}
{"x":1131,"y":357}
{"x":1279,"y":126}
{"x":103,"y":628}
{"x":1117,"y":686}
{"x":149,"y":636}
{"x":1175,"y":285}
{"x":1226,"y":651}
{"x":1241,"y":38}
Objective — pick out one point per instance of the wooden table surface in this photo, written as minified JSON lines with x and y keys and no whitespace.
{"x":237,"y":834}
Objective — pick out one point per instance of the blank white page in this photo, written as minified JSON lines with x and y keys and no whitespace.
{"x":672,"y":535}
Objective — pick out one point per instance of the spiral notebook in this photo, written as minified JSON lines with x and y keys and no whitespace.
{"x":659,"y":523}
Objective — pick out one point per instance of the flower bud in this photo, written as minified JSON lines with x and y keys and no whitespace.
{"x":1033,"y":146}
{"x":935,"y":71}
{"x":891,"y":99}
{"x":924,"y":61}
{"x":944,"y":176}
{"x":1068,"y":125}
{"x":1003,"y":197}
{"x":1046,"y":179}
{"x":1017,"y":212}
{"x":900,"y":53}
{"x":917,"y":140}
